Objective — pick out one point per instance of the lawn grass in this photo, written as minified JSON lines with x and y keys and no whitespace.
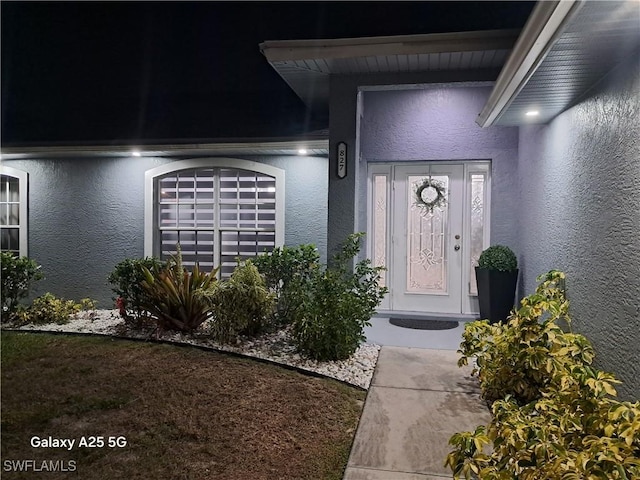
{"x":185,"y":413}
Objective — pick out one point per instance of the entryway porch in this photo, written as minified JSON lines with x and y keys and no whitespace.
{"x":383,"y":332}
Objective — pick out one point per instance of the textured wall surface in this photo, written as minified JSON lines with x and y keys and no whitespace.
{"x":342,"y":191}
{"x":346,"y":200}
{"x":86,"y":215}
{"x":438,"y":123}
{"x":580,"y":213}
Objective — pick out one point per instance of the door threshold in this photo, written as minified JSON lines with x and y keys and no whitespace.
{"x":461,"y":317}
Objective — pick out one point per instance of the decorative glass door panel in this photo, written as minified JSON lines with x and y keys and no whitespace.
{"x":427,"y":267}
{"x":380,"y":231}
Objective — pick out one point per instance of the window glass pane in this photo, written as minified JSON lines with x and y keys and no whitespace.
{"x":4,"y":214}
{"x":4,"y":180}
{"x":14,"y":190}
{"x":10,"y":239}
{"x":267,"y":195}
{"x":14,"y":214}
{"x":205,"y":185}
{"x":205,"y":215}
{"x":186,"y":216}
{"x":380,"y":224}
{"x":168,"y":216}
{"x":228,"y":215}
{"x":167,"y":191}
{"x":477,"y":226}
{"x":168,"y":241}
{"x":205,"y":250}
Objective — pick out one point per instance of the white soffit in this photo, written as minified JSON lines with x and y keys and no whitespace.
{"x":564,"y":50}
{"x":305,"y":65}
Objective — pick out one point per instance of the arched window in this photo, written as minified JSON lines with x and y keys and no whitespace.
{"x":216,"y":209}
{"x":13,"y":211}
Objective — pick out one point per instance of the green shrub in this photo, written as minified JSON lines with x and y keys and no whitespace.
{"x":284,"y":269}
{"x":17,"y":275}
{"x":521,"y":357}
{"x":126,"y":280}
{"x":498,"y":257}
{"x":332,"y":308}
{"x":174,"y":297}
{"x":241,"y":305}
{"x":50,"y":309}
{"x":553,"y":417}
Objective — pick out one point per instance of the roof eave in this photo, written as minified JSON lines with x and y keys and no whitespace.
{"x":226,"y":148}
{"x":287,"y":50}
{"x":544,"y":26}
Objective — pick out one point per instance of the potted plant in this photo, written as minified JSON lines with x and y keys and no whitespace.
{"x":496,"y":275}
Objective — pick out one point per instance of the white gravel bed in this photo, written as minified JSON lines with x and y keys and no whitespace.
{"x":356,"y":370}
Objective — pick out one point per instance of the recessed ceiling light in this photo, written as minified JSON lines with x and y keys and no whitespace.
{"x":302,"y":151}
{"x":532,"y":113}
{"x":135,"y":153}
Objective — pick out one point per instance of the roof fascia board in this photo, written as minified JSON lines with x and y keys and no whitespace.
{"x":188,"y":149}
{"x":538,"y":36}
{"x":290,"y":50}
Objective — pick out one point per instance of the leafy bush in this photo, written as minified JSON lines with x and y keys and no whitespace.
{"x":521,"y":357}
{"x":173,"y":296}
{"x":334,"y":305}
{"x":552,"y":414}
{"x":17,"y":275}
{"x":50,"y":309}
{"x":284,"y":269}
{"x":126,"y":279}
{"x":241,"y":305}
{"x":498,"y":257}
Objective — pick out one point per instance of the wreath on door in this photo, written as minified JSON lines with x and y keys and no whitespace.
{"x":431,"y":194}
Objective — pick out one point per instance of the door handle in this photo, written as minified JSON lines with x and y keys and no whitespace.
{"x":456,"y":247}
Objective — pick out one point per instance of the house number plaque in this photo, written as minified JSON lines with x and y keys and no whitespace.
{"x":342,"y":160}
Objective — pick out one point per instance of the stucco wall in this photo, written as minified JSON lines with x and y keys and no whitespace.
{"x":346,"y":200}
{"x":438,"y":123}
{"x":580,"y":213}
{"x":86,"y":215}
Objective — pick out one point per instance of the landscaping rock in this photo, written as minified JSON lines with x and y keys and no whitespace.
{"x":356,"y":370}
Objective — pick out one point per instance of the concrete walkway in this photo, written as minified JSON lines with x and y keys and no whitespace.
{"x":418,"y":398}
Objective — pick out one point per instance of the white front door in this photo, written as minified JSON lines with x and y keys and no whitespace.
{"x":429,"y":253}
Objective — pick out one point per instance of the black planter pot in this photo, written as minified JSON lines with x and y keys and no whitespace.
{"x":496,"y":293}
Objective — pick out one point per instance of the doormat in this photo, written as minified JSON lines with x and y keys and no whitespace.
{"x":421,"y":324}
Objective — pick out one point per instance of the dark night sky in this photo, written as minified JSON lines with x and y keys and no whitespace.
{"x":120,"y":72}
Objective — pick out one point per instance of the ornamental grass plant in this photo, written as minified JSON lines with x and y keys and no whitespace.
{"x":173,"y":295}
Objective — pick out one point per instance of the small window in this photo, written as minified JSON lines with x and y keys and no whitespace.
{"x":13,"y":211}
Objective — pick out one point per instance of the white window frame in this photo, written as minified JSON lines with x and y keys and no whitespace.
{"x":23,"y":185}
{"x":150,"y":220}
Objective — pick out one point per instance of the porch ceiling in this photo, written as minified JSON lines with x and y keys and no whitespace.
{"x":307,"y":64}
{"x":564,"y":50}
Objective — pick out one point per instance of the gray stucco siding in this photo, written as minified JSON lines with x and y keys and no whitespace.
{"x":86,"y":215}
{"x":580,"y":210}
